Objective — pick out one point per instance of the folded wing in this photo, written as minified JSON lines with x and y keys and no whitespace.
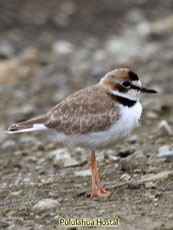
{"x":88,"y":110}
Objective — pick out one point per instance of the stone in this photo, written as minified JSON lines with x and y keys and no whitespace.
{"x":165,"y":127}
{"x":137,"y":171}
{"x":57,"y":217}
{"x":102,"y":211}
{"x":155,"y":160}
{"x":125,"y":177}
{"x":165,"y":155}
{"x":63,"y":47}
{"x":152,"y":115}
{"x":15,"y":193}
{"x":164,"y":152}
{"x":133,"y":139}
{"x":158,"y":176}
{"x":100,"y":158}
{"x":163,"y":149}
{"x":58,"y":154}
{"x":150,"y":184}
{"x":114,"y":158}
{"x":8,"y":144}
{"x":83,"y":173}
{"x":71,"y":162}
{"x":46,"y":204}
{"x":126,"y":164}
{"x":62,"y":158}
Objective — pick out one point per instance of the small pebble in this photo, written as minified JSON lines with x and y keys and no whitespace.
{"x":63,"y":47}
{"x":8,"y":144}
{"x":133,"y":139}
{"x":71,"y":162}
{"x":15,"y":193}
{"x":138,"y":171}
{"x":159,"y":176}
{"x":83,"y":173}
{"x":57,"y":217}
{"x":102,"y":211}
{"x":62,"y":158}
{"x":149,"y":185}
{"x":164,"y":152}
{"x":12,"y":227}
{"x":152,"y":115}
{"x":140,"y":155}
{"x":163,"y":149}
{"x":125,"y":177}
{"x":26,"y":180}
{"x":46,"y":204}
{"x":165,"y":127}
{"x":125,"y":164}
{"x":58,"y":154}
{"x":114,"y":158}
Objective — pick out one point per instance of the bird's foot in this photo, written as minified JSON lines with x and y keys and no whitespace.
{"x":101,"y":193}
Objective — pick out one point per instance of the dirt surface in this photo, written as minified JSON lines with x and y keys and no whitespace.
{"x":49,"y":49}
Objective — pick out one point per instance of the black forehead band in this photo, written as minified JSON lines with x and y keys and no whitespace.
{"x":133,"y":76}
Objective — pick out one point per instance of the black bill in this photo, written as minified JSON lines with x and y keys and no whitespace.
{"x":145,"y":90}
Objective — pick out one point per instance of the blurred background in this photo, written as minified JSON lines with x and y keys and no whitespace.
{"x":49,"y":49}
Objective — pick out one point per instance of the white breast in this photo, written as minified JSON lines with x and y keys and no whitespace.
{"x":128,"y":119}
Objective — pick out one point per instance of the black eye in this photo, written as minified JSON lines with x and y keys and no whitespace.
{"x":126,"y":84}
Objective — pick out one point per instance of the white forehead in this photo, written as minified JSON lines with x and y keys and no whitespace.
{"x":136,"y":83}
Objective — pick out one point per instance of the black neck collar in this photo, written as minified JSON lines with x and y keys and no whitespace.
{"x":123,"y":100}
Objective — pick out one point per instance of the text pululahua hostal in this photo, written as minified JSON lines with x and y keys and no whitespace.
{"x":88,"y":222}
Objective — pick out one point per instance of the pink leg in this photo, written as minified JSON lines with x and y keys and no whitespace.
{"x":95,"y":178}
{"x":91,"y":164}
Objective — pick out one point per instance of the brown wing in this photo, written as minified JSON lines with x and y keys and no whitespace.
{"x":88,"y":110}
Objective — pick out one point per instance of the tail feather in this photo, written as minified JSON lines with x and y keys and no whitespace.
{"x":33,"y":124}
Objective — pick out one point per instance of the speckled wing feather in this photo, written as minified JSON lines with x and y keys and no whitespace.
{"x":88,"y":110}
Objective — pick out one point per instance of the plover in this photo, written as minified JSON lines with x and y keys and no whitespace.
{"x":96,"y":117}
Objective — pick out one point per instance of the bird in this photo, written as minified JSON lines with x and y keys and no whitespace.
{"x":96,"y":117}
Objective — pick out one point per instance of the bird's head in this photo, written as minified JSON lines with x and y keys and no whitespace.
{"x":124,"y":83}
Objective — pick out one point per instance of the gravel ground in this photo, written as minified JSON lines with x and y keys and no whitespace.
{"x":49,"y":50}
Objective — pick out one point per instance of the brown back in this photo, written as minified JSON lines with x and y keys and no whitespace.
{"x":88,"y":110}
